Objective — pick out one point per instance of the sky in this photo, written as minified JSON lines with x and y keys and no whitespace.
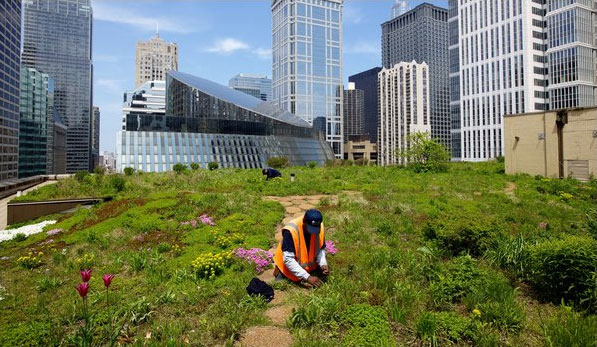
{"x":216,"y":40}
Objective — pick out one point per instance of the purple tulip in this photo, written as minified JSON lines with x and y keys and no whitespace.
{"x":108,"y":280}
{"x":83,"y":289}
{"x":86,"y":275}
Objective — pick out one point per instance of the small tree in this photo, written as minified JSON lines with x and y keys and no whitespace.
{"x":277,"y":162}
{"x":213,"y":165}
{"x":129,"y":171}
{"x":179,"y":168}
{"x":195,"y":166}
{"x":425,"y":154}
{"x":99,"y":170}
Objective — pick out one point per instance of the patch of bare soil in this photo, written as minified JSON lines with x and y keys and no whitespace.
{"x":279,"y":314}
{"x":109,"y":210}
{"x":266,"y":336}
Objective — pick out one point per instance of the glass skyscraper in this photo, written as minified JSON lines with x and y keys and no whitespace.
{"x":36,"y":123}
{"x":571,"y":53}
{"x":57,"y":41}
{"x":10,"y":53}
{"x":421,"y":34}
{"x":354,"y":112}
{"x":367,"y":81}
{"x":258,"y":86}
{"x":307,"y":63}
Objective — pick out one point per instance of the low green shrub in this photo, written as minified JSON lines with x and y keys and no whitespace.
{"x":47,"y":283}
{"x":129,"y":171}
{"x":179,"y":168}
{"x":81,"y":175}
{"x":367,"y":326}
{"x":564,"y":269}
{"x":164,"y":247}
{"x":569,"y":328}
{"x":195,"y":166}
{"x":458,"y":234}
{"x":19,"y":237}
{"x":118,"y":183}
{"x":99,"y":170}
{"x":496,"y":305}
{"x":277,"y":162}
{"x":361,"y":162}
{"x":436,"y":326}
{"x":451,"y":281}
{"x":213,"y":165}
{"x":312,"y":164}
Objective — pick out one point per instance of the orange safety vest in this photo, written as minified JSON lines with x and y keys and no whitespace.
{"x":307,"y":261}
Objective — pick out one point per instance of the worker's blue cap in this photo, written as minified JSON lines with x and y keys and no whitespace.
{"x":312,"y":221}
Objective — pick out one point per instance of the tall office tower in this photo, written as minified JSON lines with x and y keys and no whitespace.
{"x":307,"y":63}
{"x":400,"y":7}
{"x":456,"y":129}
{"x":95,"y":136}
{"x":354,"y":112}
{"x":368,"y":83}
{"x":571,"y":52}
{"x":258,"y":86}
{"x":36,"y":123}
{"x":422,"y":35}
{"x":503,"y":69}
{"x":154,"y":58}
{"x":10,"y":62}
{"x":404,"y":108}
{"x":57,"y":41}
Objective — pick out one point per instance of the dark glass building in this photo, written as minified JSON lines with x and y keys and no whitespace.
{"x":95,"y":136}
{"x":57,"y":41}
{"x":367,"y":81}
{"x":10,"y":56}
{"x":421,"y":34}
{"x":36,"y":123}
{"x":354,"y":113}
{"x":204,"y":122}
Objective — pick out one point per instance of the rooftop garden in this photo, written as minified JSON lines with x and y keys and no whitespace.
{"x":470,"y":256}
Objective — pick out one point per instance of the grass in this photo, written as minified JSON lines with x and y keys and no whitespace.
{"x":425,"y":259}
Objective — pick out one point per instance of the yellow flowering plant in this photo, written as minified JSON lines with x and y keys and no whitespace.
{"x":30,"y":261}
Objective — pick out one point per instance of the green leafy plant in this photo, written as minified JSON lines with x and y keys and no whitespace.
{"x":47,"y":283}
{"x":81,"y":175}
{"x":179,"y":168}
{"x":213,"y":165}
{"x":277,"y":162}
{"x":451,"y":281}
{"x":425,"y":154}
{"x":118,"y":183}
{"x":367,"y":326}
{"x":564,"y":269}
{"x":99,"y":170}
{"x":569,"y":328}
{"x":312,"y":164}
{"x":195,"y":166}
{"x":129,"y":171}
{"x":164,"y":247}
{"x":434,"y":327}
{"x":20,"y":237}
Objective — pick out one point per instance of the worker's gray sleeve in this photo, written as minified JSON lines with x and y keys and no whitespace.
{"x":294,"y":266}
{"x":320,"y":259}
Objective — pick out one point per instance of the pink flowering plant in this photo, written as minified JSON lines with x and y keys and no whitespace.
{"x":53,"y":232}
{"x":204,"y":219}
{"x":259,"y":258}
{"x":330,"y":247}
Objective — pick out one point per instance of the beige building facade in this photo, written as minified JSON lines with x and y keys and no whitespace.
{"x":360,"y":148}
{"x":404,"y":108}
{"x":154,"y":58}
{"x":555,"y":144}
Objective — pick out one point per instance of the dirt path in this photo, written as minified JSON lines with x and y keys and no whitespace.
{"x":509,"y":190}
{"x":277,"y":334}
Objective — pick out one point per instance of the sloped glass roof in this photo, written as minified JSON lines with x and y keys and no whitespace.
{"x":265,"y":108}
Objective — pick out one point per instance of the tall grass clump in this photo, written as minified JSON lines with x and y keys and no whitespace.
{"x":570,"y":328}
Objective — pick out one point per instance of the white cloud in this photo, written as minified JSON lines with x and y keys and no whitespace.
{"x":264,"y":53}
{"x":109,"y":13}
{"x":227,"y":46}
{"x":362,"y":47}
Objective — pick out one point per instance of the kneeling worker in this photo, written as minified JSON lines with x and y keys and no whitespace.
{"x":300,"y":256}
{"x":271,"y":173}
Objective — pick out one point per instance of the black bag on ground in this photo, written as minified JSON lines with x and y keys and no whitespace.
{"x":258,"y":287}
